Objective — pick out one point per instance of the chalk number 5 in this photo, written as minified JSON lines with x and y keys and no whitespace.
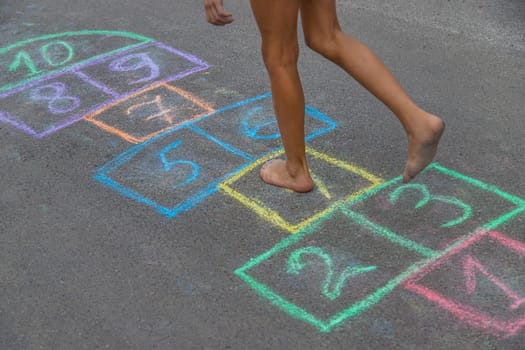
{"x":168,"y":165}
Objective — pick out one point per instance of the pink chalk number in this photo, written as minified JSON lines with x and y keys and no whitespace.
{"x":508,"y":323}
{"x":472,"y":265}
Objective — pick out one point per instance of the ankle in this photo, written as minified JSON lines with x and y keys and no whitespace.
{"x":421,"y":123}
{"x":297,"y":169}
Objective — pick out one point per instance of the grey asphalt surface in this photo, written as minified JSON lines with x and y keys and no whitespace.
{"x":86,"y":265}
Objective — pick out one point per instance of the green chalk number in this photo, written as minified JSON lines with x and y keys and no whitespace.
{"x":23,"y":59}
{"x":428,"y":197}
{"x":55,"y":54}
{"x":296,"y":264}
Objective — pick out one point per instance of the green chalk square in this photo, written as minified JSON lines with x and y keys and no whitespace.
{"x":372,"y":264}
{"x":515,"y":227}
{"x":452,"y":207}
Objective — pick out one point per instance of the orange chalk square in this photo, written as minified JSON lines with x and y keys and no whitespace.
{"x":149,"y":112}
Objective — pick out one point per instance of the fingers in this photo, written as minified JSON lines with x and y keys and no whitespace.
{"x":215,"y":13}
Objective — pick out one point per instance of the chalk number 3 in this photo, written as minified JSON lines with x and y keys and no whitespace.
{"x":428,"y":197}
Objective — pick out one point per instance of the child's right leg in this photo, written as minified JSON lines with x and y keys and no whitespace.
{"x":324,"y":35}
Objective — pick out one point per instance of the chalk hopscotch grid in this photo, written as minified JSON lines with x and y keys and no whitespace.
{"x":76,"y":69}
{"x":429,"y":256}
{"x":103,"y":174}
{"x":409,"y":277}
{"x":471,"y":315}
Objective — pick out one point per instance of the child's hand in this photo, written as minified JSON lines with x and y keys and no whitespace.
{"x":215,"y":13}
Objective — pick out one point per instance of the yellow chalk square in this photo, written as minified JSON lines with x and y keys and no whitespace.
{"x":293,"y":211}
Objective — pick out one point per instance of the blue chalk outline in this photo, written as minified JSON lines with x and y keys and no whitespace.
{"x":252,"y":133}
{"x":102,"y":174}
{"x":309,"y":112}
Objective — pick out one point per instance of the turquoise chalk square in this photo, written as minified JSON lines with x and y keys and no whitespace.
{"x":295,"y":274}
{"x":438,"y":209}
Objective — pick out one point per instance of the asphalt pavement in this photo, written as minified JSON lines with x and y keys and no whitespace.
{"x":132,"y":215}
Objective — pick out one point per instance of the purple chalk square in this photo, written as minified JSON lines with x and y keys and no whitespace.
{"x":50,"y":105}
{"x":133,"y":70}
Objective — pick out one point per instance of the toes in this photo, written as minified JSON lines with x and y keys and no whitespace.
{"x":265,"y":173}
{"x":406,"y":177}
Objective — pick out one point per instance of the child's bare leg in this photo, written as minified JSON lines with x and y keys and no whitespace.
{"x":277,"y":21}
{"x":324,"y":35}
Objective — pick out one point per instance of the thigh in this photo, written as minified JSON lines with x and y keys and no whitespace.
{"x":277,"y":21}
{"x":319,"y":18}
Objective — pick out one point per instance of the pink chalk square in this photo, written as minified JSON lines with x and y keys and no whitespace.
{"x":480,"y":281}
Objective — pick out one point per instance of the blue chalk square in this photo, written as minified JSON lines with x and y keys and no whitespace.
{"x":172,"y":172}
{"x":250,"y":125}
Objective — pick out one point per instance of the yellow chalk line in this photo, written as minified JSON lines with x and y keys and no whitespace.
{"x":273,"y":216}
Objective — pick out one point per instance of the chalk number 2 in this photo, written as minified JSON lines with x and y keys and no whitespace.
{"x":331,"y":286}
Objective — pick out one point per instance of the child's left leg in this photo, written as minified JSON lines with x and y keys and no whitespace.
{"x":277,"y":21}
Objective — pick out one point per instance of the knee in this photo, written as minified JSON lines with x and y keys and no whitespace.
{"x":323,"y":43}
{"x":276,"y":58}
